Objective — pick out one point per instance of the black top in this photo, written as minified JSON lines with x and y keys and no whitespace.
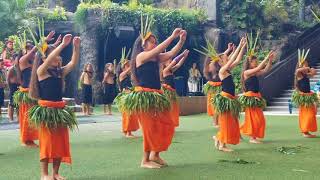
{"x":228,"y":85}
{"x":148,"y":75}
{"x":170,"y":81}
{"x":252,"y":84}
{"x":26,"y":76}
{"x":213,"y":78}
{"x":51,"y":89}
{"x":304,"y":84}
{"x":125,"y":83}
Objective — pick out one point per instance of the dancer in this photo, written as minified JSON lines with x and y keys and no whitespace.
{"x":129,"y":121}
{"x":86,"y":84}
{"x":252,"y":101}
{"x":168,"y":86}
{"x":51,"y":115}
{"x":13,"y":82}
{"x":109,"y":87}
{"x":226,"y":104}
{"x":2,"y":84}
{"x":211,"y":69}
{"x":147,"y":100}
{"x":303,"y":98}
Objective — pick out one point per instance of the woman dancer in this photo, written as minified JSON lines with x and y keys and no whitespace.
{"x":303,"y":98}
{"x":51,"y":115}
{"x":226,"y":104}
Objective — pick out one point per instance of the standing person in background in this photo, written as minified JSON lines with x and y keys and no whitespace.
{"x":2,"y":84}
{"x":13,"y":82}
{"x":194,"y":79}
{"x":8,"y":53}
{"x":86,"y":84}
{"x":109,"y":87}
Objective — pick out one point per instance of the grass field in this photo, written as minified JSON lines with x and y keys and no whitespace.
{"x":101,"y":153}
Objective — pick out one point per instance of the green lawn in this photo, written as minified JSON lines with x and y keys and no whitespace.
{"x":100,"y":152}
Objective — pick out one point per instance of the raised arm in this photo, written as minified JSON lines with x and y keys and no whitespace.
{"x":206,"y":68}
{"x":268,"y":67}
{"x":175,"y":50}
{"x":25,"y":59}
{"x":227,"y":66}
{"x":239,"y":57}
{"x":181,"y":61}
{"x":229,"y":49}
{"x":124,"y":74}
{"x":75,"y":56}
{"x":152,"y":54}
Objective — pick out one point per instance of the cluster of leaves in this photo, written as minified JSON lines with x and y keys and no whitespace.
{"x":290,"y":150}
{"x":165,"y":19}
{"x":269,"y":15}
{"x":57,"y":14}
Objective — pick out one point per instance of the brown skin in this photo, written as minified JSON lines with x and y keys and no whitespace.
{"x":108,"y":78}
{"x":86,"y":79}
{"x":53,"y":61}
{"x":11,"y":79}
{"x":153,"y":52}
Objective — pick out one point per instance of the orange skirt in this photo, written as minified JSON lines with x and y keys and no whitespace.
{"x":254,"y":123}
{"x":229,"y":132}
{"x":175,"y":112}
{"x":157,"y":130}
{"x":129,"y":123}
{"x":210,"y":107}
{"x":27,"y":133}
{"x":54,"y":144}
{"x":308,"y":119}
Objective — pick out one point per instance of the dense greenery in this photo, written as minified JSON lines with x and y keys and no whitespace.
{"x":165,"y":19}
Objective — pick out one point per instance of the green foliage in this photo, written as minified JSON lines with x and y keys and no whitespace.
{"x":58,"y":14}
{"x":247,"y":101}
{"x":208,"y":89}
{"x":304,"y":100}
{"x":223,"y":104}
{"x":52,"y":117}
{"x":2,"y":46}
{"x":165,"y":19}
{"x":22,"y":97}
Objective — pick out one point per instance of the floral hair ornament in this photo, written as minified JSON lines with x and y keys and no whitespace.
{"x":145,"y":31}
{"x":302,"y":56}
{"x":42,"y":45}
{"x":252,"y":43}
{"x":124,"y":57}
{"x":209,"y":51}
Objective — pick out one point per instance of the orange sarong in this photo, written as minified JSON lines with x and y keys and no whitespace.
{"x":54,"y":143}
{"x":229,"y":132}
{"x":27,"y":133}
{"x":308,"y":119}
{"x":210,"y":107}
{"x":175,"y":109}
{"x":157,"y":127}
{"x":129,"y":123}
{"x":254,"y":123}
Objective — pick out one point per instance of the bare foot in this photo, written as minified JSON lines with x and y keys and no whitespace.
{"x":150,"y":165}
{"x":216,"y":142}
{"x":255,"y":141}
{"x":130,"y":136}
{"x":158,"y":160}
{"x":216,"y":126}
{"x":30,"y":144}
{"x":225,"y":149}
{"x":47,"y":178}
{"x":58,"y":177}
{"x":308,"y":135}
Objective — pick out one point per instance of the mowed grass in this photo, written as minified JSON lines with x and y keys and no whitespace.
{"x":100,"y":153}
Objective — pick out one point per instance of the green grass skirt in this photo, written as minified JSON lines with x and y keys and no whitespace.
{"x":171,"y":95}
{"x":223,"y":104}
{"x":52,"y":117}
{"x":22,"y":97}
{"x":304,"y":100}
{"x":250,"y":101}
{"x":207,"y":88}
{"x":135,"y":102}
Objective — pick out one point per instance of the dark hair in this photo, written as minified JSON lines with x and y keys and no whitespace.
{"x":246,"y":66}
{"x":137,"y":49}
{"x":34,"y":81}
{"x":207,"y":74}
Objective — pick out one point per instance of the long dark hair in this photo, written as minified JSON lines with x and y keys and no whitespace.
{"x":34,"y":81}
{"x":137,"y":49}
{"x":210,"y":74}
{"x":246,"y":66}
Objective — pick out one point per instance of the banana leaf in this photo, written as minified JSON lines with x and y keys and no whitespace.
{"x":208,"y":89}
{"x":171,"y":95}
{"x":22,"y":97}
{"x":223,"y":104}
{"x":247,"y":101}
